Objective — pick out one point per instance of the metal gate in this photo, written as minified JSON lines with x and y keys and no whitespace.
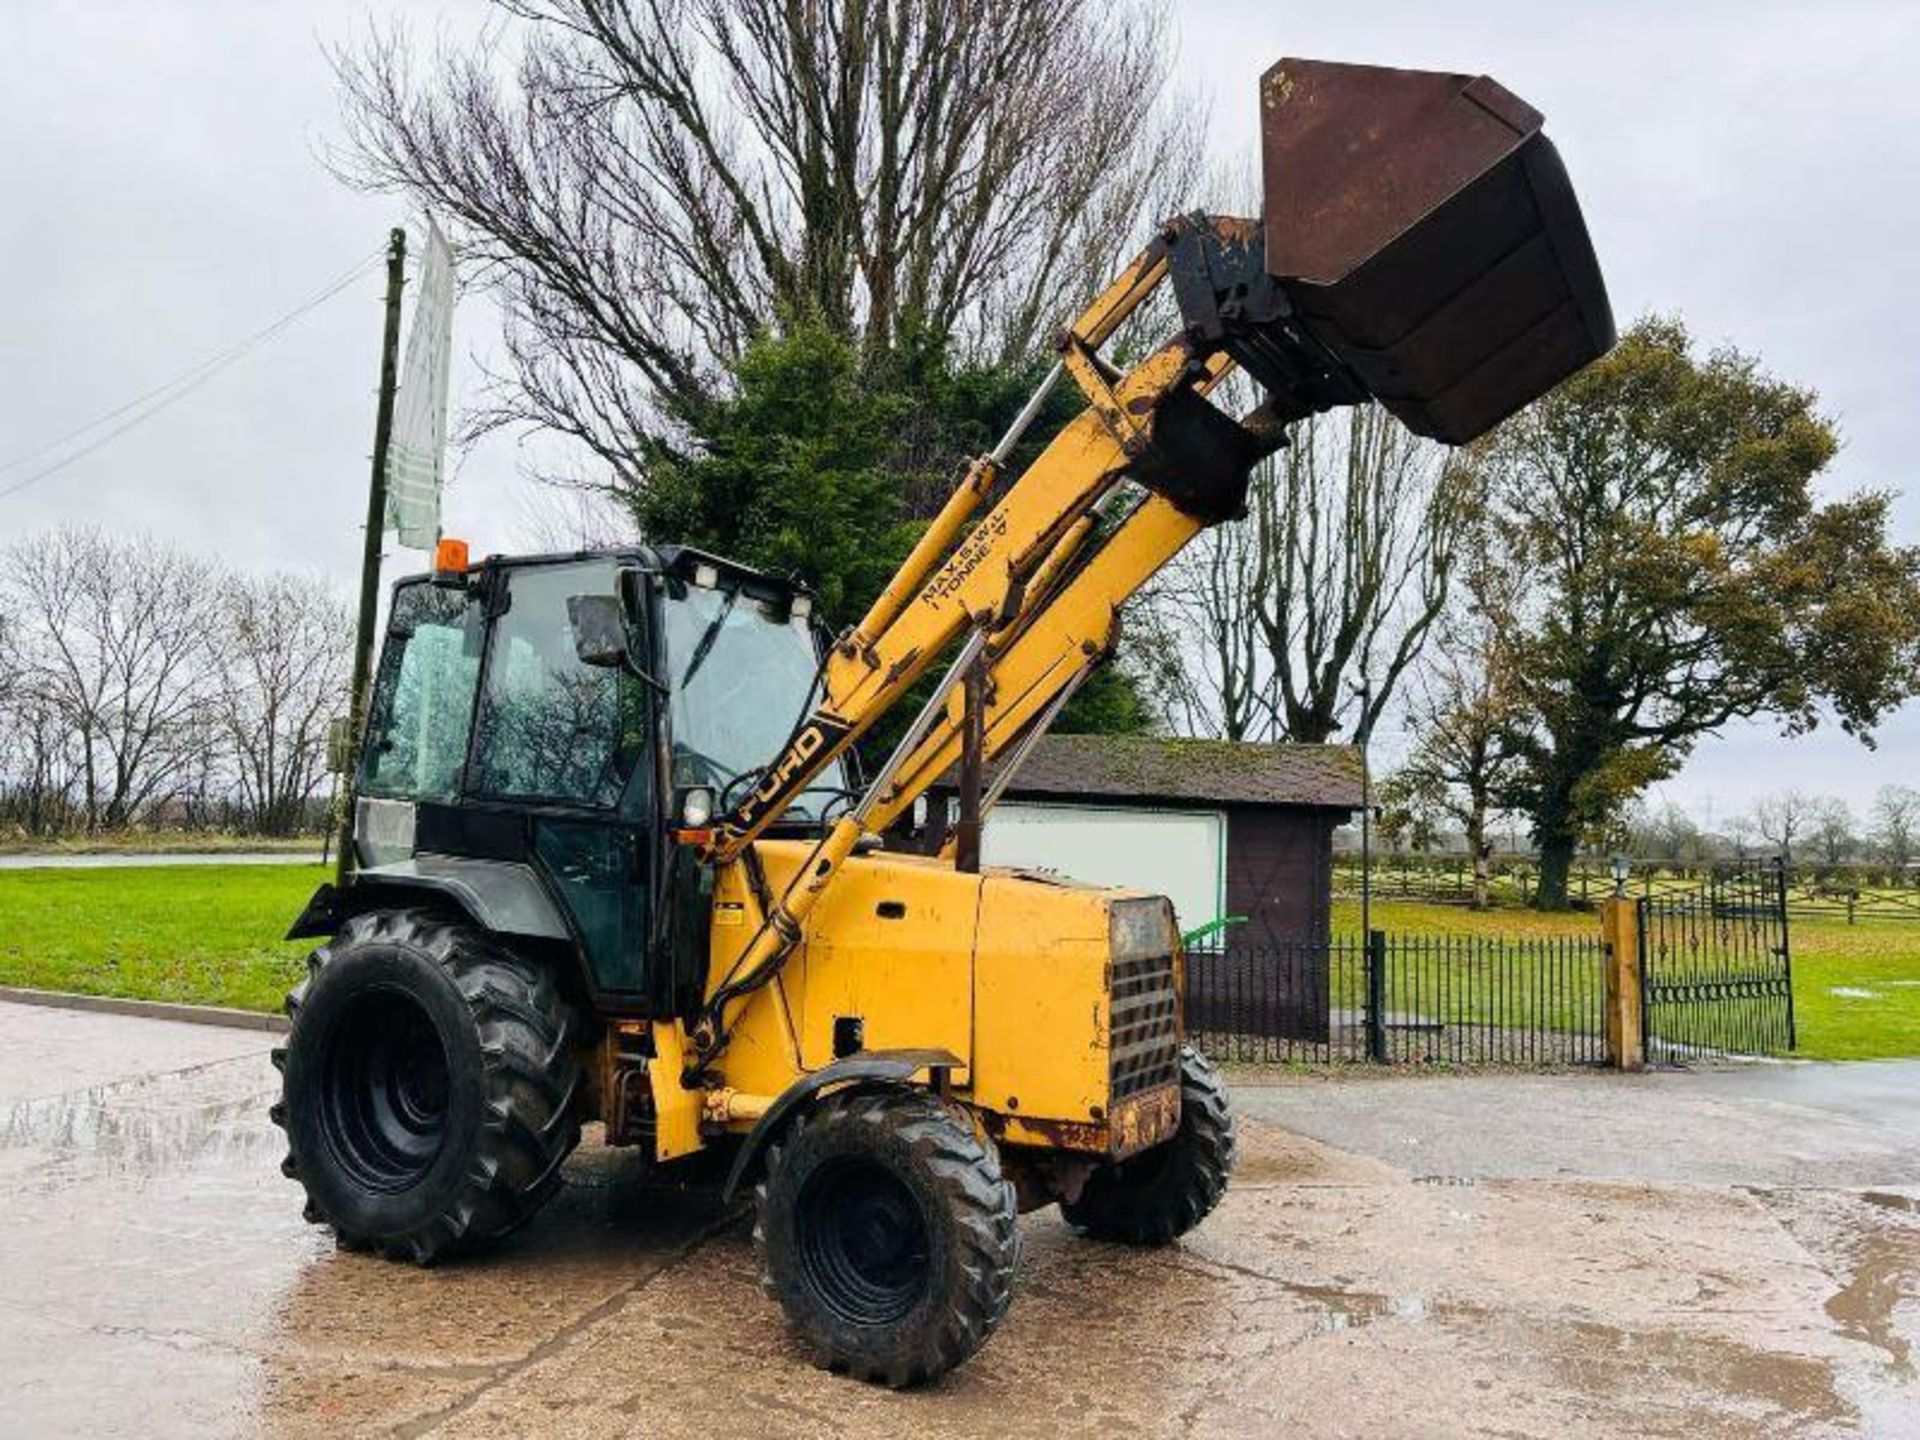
{"x":1716,"y":966}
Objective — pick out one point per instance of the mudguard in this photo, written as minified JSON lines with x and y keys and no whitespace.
{"x":869,"y":1068}
{"x":500,"y":896}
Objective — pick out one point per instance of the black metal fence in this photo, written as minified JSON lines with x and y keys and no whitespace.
{"x":1716,"y":966}
{"x":1849,"y":891}
{"x":1402,"y":999}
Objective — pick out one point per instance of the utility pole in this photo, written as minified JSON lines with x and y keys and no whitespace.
{"x":1373,"y":941}
{"x":370,"y":553}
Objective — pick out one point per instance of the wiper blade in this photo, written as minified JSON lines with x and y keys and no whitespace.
{"x":707,"y":637}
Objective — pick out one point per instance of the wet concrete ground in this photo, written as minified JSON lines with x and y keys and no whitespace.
{"x":1497,"y":1256}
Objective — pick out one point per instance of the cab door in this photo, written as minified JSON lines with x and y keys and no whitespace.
{"x":561,"y":737}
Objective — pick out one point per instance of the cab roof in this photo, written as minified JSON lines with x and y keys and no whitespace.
{"x":678,"y":561}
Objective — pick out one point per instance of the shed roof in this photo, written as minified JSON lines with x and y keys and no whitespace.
{"x":1221,"y":772}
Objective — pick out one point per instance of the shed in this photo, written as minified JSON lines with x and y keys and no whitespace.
{"x":1222,"y":827}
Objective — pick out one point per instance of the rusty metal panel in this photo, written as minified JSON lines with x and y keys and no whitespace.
{"x":1426,"y":232}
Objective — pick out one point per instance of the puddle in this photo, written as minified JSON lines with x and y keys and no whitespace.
{"x":1596,"y":1357}
{"x":1350,"y":1310}
{"x":1885,"y":1276}
{"x":1341,"y":1307}
{"x":1799,"y":1387}
{"x":149,"y":1125}
{"x":1889,"y":1201}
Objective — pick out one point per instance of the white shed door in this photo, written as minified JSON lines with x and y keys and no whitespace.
{"x":1181,"y":854}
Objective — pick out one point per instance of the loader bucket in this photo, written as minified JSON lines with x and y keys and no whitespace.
{"x":1427,"y":234}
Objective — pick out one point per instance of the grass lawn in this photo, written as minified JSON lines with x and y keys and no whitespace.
{"x":204,"y":934}
{"x":1856,"y":988}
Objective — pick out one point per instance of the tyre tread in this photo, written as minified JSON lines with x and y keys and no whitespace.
{"x":1155,"y":1207}
{"x":981,"y":1204}
{"x":533,"y":1077}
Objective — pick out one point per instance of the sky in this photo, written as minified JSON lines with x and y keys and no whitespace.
{"x":164,"y":194}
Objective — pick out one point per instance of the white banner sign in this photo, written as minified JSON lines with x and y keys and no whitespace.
{"x":417,"y":449}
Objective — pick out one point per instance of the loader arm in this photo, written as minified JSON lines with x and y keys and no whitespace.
{"x":1008,"y":578}
{"x":1043,"y":659}
{"x":1421,"y":246}
{"x":944,"y":588}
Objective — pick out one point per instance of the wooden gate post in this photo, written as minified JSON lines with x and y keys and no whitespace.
{"x":1620,"y":924}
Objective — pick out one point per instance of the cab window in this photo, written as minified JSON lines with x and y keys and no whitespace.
{"x":422,"y":709}
{"x":550,"y":725}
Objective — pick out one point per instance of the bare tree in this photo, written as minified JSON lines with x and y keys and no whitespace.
{"x":1668,"y":833}
{"x":1468,"y":717}
{"x":1781,"y":819}
{"x":1339,"y":571}
{"x":114,"y":648}
{"x":39,"y":767}
{"x":563,"y":519}
{"x":37,"y":770}
{"x":285,"y":646}
{"x":646,"y":185}
{"x":1896,"y":824}
{"x":1831,"y":828}
{"x":1193,"y":639}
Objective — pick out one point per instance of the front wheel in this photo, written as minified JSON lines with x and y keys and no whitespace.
{"x":430,"y":1084}
{"x":888,"y":1235}
{"x":1160,"y":1194}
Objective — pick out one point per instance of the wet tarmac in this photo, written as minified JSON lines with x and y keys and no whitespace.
{"x":156,"y":1278}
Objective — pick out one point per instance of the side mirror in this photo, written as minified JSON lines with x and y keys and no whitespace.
{"x":599,"y":630}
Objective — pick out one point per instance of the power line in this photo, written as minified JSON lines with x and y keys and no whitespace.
{"x":163,"y":396}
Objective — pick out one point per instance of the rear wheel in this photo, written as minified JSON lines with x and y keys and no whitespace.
{"x":888,"y":1234}
{"x":429,"y":1086}
{"x":1160,"y":1194}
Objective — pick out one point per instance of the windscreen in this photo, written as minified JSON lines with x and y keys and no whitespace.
{"x":742,"y":674}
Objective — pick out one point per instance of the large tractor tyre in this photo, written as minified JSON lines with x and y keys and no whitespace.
{"x":888,"y":1234}
{"x":429,"y":1086}
{"x":1160,"y":1194}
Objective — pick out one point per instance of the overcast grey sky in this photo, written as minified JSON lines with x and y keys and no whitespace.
{"x":1752,"y":165}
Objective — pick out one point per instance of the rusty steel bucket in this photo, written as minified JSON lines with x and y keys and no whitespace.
{"x":1425,"y":232}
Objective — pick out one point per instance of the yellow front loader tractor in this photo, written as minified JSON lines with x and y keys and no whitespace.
{"x":614,"y":861}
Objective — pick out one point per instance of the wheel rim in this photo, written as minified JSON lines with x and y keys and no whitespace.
{"x":384,"y":1091}
{"x":862,"y":1241}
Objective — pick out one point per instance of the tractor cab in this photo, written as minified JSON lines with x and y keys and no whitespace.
{"x":540,"y":728}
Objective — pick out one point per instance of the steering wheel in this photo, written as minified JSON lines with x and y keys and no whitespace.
{"x":725,"y":802}
{"x":683,"y":753}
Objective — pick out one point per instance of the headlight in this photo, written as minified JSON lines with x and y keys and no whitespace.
{"x":696,"y":808}
{"x":1141,"y":929}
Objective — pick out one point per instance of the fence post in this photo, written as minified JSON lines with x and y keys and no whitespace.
{"x":1620,"y":925}
{"x":1377,"y":996}
{"x":1786,"y":949}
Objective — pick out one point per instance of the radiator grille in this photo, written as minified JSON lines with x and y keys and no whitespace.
{"x":1145,"y":1031}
